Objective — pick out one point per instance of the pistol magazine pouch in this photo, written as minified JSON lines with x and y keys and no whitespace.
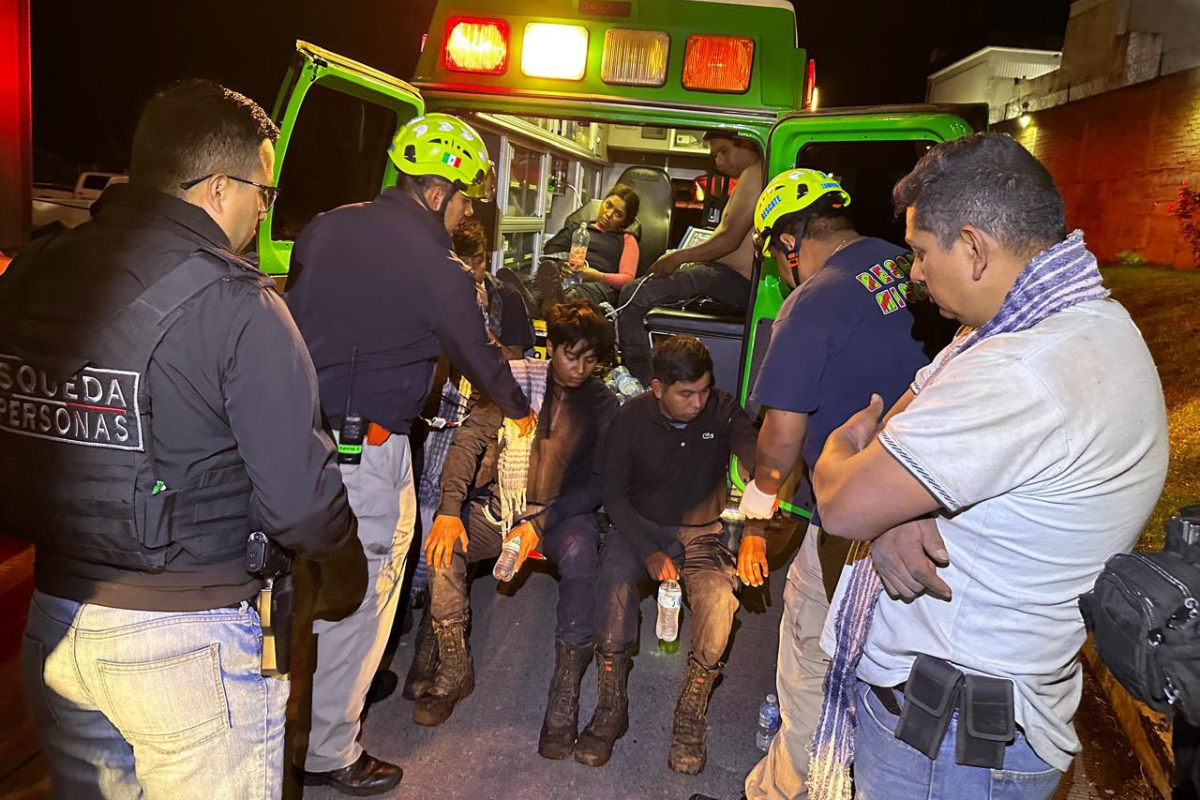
{"x":930,"y":696}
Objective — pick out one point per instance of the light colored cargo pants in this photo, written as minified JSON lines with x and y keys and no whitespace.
{"x":384,"y":500}
{"x":799,"y":680}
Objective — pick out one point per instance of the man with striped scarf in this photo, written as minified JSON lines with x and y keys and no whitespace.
{"x":1031,"y":450}
{"x":545,"y":492}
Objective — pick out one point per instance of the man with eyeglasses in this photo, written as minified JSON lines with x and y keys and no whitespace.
{"x":379,"y":297}
{"x":143,"y":653}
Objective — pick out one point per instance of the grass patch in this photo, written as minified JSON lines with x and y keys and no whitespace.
{"x":1159,"y":302}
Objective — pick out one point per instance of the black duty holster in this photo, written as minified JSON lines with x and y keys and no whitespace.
{"x":276,"y":601}
{"x":986,"y":720}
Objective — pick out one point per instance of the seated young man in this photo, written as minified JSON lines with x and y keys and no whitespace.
{"x":664,"y":490}
{"x":562,"y":486}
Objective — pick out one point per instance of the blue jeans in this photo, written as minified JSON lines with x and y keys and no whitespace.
{"x":144,"y":704}
{"x":886,"y":768}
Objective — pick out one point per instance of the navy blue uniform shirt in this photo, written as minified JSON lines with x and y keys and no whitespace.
{"x":843,"y":335}
{"x":382,"y":277}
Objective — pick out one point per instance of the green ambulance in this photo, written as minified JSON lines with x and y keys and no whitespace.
{"x":573,"y":96}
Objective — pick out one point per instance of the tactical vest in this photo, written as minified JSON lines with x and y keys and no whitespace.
{"x":604,"y":247}
{"x":77,"y":461}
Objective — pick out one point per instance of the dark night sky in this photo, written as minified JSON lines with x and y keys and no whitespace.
{"x":94,"y":63}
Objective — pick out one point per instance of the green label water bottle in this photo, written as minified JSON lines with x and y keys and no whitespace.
{"x":670,"y":602}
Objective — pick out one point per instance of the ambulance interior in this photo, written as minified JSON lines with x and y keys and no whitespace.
{"x":550,"y":173}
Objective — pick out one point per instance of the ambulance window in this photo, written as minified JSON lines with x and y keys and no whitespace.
{"x":336,"y":155}
{"x":868,"y":171}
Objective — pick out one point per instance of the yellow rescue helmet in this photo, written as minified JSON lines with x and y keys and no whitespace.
{"x":792,"y":191}
{"x":445,"y":146}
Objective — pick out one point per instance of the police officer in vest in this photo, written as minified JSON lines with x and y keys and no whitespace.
{"x":379,"y":296}
{"x":157,"y":406}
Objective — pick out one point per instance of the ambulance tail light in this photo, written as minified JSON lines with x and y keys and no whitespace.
{"x":476,"y":45}
{"x":718,"y":63}
{"x":810,"y":85}
{"x":635,"y":58}
{"x":554,"y":51}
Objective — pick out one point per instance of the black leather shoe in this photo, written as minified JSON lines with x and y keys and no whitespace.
{"x":382,"y":686}
{"x":365,"y":777}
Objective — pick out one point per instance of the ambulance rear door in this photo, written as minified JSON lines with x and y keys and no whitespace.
{"x":868,"y":150}
{"x":336,"y":120}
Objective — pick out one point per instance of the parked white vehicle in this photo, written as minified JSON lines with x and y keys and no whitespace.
{"x":71,"y":206}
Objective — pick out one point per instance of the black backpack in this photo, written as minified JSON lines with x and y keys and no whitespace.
{"x":1144,"y":614}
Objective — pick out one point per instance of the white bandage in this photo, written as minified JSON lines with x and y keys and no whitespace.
{"x":757,"y":504}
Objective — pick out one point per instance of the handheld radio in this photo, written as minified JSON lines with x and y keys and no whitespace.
{"x":354,"y":428}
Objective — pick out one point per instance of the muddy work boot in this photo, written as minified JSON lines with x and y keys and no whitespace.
{"x":455,"y":676}
{"x":562,"y":706}
{"x":424,"y":663}
{"x":611,"y":720}
{"x":688,"y":732}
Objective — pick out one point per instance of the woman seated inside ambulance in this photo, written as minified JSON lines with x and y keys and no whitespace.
{"x":612,"y":256}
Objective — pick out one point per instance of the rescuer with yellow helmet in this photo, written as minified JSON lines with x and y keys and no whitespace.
{"x":379,"y":295}
{"x":844,"y":333}
{"x":779,"y":218}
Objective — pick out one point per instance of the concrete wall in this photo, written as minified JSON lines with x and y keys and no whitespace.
{"x":1119,"y":158}
{"x":989,"y":76}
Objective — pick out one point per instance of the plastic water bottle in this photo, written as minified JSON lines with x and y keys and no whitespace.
{"x":571,"y":278}
{"x":670,"y":599}
{"x":768,"y":722}
{"x":579,"y":247}
{"x":506,"y":564}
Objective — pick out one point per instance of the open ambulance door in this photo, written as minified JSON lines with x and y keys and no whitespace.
{"x":336,"y":120}
{"x":868,"y":150}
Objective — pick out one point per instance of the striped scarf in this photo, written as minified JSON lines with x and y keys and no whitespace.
{"x":512,"y":465}
{"x":1063,"y":276}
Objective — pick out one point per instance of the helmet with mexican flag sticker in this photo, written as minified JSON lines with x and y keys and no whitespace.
{"x":444,"y":146}
{"x":794,"y":190}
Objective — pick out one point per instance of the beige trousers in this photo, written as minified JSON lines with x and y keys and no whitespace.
{"x":799,"y":680}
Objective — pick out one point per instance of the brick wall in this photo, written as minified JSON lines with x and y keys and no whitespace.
{"x":1119,"y":159}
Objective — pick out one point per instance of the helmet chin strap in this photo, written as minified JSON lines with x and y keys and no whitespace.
{"x":792,"y":254}
{"x":792,"y":257}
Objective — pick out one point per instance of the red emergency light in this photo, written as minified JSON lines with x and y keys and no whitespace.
{"x":476,"y":45}
{"x":810,"y":83}
{"x":713,"y":63}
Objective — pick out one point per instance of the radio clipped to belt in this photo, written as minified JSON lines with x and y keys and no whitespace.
{"x":935,"y":689}
{"x":353,"y":429}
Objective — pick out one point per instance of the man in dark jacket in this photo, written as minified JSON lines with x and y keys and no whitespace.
{"x":379,"y":297}
{"x":664,"y":490}
{"x":143,"y":650}
{"x":562,"y":488}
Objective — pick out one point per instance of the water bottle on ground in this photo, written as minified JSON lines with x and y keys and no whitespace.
{"x":577,"y":259}
{"x":506,"y":564}
{"x":670,"y":601}
{"x":768,"y":722}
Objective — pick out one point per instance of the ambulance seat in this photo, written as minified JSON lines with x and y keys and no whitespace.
{"x":721,"y":334}
{"x":657,"y":201}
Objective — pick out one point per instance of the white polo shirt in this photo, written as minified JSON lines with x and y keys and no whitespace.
{"x":1047,"y":449}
